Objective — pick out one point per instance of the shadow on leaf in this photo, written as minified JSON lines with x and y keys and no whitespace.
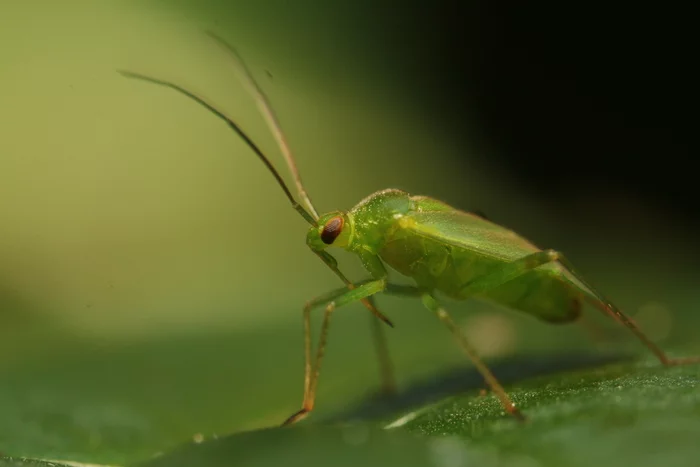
{"x":460,"y":380}
{"x":304,"y":446}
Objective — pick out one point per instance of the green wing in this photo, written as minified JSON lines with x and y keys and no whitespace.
{"x":470,"y":232}
{"x":550,"y":292}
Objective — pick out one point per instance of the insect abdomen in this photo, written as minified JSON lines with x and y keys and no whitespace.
{"x":543,"y":292}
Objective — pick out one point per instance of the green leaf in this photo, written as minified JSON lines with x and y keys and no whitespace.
{"x":17,"y":462}
{"x":622,"y":415}
{"x":122,"y":404}
{"x":352,"y":445}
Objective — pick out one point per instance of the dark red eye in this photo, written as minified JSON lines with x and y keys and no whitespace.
{"x":331,"y":230}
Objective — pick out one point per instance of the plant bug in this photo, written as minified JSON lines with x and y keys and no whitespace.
{"x":443,"y":249}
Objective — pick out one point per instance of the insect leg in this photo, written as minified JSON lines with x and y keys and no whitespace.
{"x":310,"y":305}
{"x":606,"y":306}
{"x":334,"y":299}
{"x":432,"y":304}
{"x":386,"y":369}
{"x":332,"y":264}
{"x":509,"y":271}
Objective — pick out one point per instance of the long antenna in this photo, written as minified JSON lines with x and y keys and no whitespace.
{"x":202,"y":101}
{"x":270,"y":118}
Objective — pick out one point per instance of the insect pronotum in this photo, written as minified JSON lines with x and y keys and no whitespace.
{"x":443,"y":249}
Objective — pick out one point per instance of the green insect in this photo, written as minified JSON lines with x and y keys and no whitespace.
{"x":443,"y":249}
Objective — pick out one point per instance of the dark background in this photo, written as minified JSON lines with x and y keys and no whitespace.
{"x":567,"y":95}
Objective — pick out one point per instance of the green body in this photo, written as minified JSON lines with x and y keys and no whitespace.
{"x":444,"y":249}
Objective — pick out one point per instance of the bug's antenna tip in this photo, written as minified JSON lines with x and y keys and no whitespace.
{"x":215,"y":36}
{"x":212,"y":34}
{"x":129,"y":74}
{"x":224,"y":44}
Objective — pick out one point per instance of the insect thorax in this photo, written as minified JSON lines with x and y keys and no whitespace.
{"x":375,"y":215}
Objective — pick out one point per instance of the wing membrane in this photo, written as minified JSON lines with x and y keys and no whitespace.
{"x":470,"y":232}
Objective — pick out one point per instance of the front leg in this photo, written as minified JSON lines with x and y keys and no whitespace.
{"x":332,"y":264}
{"x":385,"y":367}
{"x":332,"y":300}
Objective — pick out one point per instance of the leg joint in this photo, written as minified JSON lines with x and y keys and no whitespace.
{"x":552,"y":255}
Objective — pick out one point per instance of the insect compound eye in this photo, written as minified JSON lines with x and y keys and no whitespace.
{"x":331,"y":230}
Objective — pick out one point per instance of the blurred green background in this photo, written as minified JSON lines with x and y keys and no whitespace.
{"x":152,"y":273}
